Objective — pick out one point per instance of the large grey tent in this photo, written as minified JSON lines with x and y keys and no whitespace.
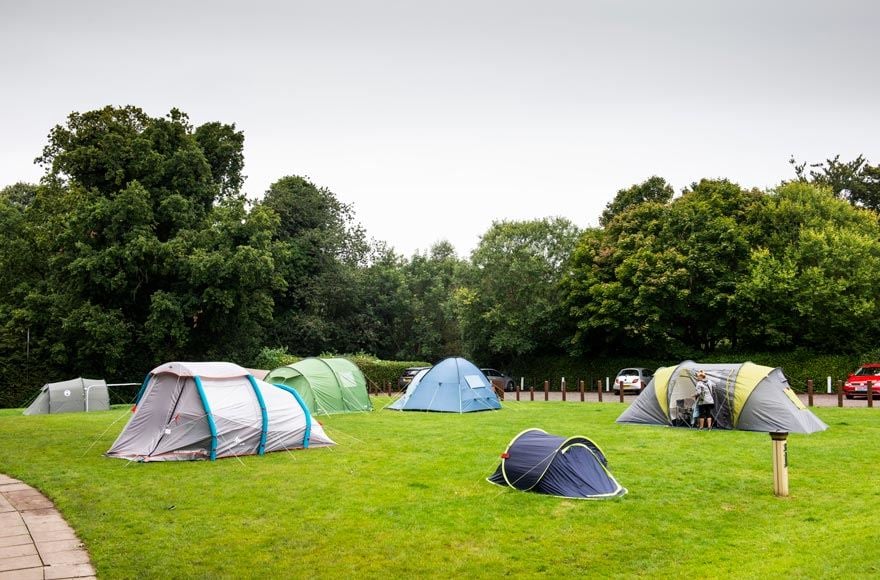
{"x":75,"y":395}
{"x":748,"y":397}
{"x":208,"y":410}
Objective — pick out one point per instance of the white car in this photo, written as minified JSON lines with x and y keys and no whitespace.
{"x":632,"y":380}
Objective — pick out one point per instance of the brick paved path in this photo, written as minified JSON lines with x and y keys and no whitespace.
{"x":35,"y":541}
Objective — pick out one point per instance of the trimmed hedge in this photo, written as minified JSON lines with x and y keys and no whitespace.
{"x":798,"y":366}
{"x":377,"y":372}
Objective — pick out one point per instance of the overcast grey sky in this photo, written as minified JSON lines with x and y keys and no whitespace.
{"x":435,"y":118}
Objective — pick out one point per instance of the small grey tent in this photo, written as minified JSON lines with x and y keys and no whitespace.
{"x":748,"y":397}
{"x":73,"y":396}
{"x":573,"y":468}
{"x":197,"y":410}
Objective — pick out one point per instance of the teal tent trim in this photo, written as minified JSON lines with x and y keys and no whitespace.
{"x":265,"y":429}
{"x":143,"y":388}
{"x":211,"y":425}
{"x":305,"y":410}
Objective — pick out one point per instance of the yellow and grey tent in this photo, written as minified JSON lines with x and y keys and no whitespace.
{"x":748,"y":397}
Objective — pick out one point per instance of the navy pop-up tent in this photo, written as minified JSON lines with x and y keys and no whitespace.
{"x":454,"y":385}
{"x":573,"y":468}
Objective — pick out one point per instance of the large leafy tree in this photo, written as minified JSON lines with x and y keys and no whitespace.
{"x":812,"y":282}
{"x":655,"y":189}
{"x":432,"y":331}
{"x":320,"y":251}
{"x":148,"y":247}
{"x":511,"y":303}
{"x":21,"y":267}
{"x":856,"y":181}
{"x":663,"y":274}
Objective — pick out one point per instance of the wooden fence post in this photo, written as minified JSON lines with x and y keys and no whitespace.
{"x":532,"y":393}
{"x":518,"y":388}
{"x":562,"y":387}
{"x":622,"y":391}
{"x":809,"y":392}
{"x":388,"y":387}
{"x":581,"y":385}
{"x":599,"y":388}
{"x":780,"y":464}
{"x":546,"y":390}
{"x":870,"y":393}
{"x":839,"y":393}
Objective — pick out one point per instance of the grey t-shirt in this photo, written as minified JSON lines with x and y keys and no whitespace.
{"x":704,"y":392}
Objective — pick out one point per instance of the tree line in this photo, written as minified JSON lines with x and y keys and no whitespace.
{"x":138,"y":246}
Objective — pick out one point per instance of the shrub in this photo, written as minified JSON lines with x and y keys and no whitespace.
{"x":272,"y":358}
{"x":377,"y":372}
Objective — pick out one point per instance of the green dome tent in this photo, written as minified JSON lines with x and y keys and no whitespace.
{"x":748,"y":397}
{"x":327,"y":385}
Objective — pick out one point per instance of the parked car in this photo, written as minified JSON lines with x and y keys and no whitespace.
{"x":632,"y":380}
{"x":406,"y":378}
{"x":499,"y":379}
{"x":856,"y":384}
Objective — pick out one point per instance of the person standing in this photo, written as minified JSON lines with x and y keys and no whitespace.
{"x":704,"y":400}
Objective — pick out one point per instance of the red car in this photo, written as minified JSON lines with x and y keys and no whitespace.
{"x":856,"y":384}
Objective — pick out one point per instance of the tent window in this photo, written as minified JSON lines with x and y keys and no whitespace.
{"x":475,"y":381}
{"x":348,"y":380}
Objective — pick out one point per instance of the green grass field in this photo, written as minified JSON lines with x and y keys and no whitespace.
{"x":404,"y":494}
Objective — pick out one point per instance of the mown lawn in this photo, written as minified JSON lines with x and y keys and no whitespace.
{"x":404,"y":494}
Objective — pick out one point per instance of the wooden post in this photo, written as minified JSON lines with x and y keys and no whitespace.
{"x":532,"y":393}
{"x":562,"y":387}
{"x":388,"y":387}
{"x":581,"y":386}
{"x":870,"y":393}
{"x":546,"y":390}
{"x":622,"y":391}
{"x":809,"y":392}
{"x":599,"y":388}
{"x":780,"y":464}
{"x":518,"y":388}
{"x":839,"y":393}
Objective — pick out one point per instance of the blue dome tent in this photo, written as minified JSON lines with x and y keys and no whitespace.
{"x":454,"y":385}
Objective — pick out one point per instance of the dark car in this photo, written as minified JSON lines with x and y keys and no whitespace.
{"x":856,"y":384}
{"x":499,"y":379}
{"x":407,"y":377}
{"x":633,"y":379}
